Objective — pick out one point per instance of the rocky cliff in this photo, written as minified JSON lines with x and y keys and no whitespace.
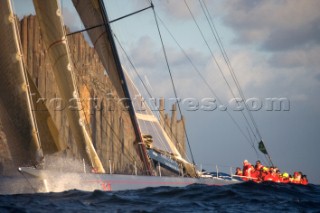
{"x":107,"y":121}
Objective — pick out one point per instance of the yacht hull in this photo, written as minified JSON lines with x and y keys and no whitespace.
{"x":34,"y":180}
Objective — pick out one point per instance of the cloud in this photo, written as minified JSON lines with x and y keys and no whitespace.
{"x":284,"y":45}
{"x":283,"y":60}
{"x":149,"y":60}
{"x":144,"y":53}
{"x":275,"y":25}
{"x":178,"y":9}
{"x":303,"y":58}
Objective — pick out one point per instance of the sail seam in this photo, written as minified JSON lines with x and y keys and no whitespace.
{"x":100,"y":36}
{"x":55,"y":43}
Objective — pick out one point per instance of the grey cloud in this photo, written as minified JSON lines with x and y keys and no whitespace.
{"x":144,"y":53}
{"x":275,"y":25}
{"x":302,"y":36}
{"x":304,"y":57}
{"x":288,"y":59}
{"x":147,"y":54}
{"x":317,"y":76}
{"x":178,"y":9}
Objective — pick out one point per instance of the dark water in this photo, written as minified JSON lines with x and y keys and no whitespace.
{"x":246,"y":197}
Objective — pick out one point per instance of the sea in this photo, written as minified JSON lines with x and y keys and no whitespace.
{"x":244,"y":197}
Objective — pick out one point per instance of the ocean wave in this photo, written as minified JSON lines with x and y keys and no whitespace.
{"x":249,"y":197}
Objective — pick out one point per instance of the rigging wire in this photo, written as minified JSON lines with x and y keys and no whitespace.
{"x":217,"y":64}
{"x":230,"y":68}
{"x":171,"y":78}
{"x":28,"y":181}
{"x":144,"y":85}
{"x":206,"y":82}
{"x":154,"y":125}
{"x":131,"y":63}
{"x":238,"y":126}
{"x":227,"y":61}
{"x":251,"y":140}
{"x":146,"y":89}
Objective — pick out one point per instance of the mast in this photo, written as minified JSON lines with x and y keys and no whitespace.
{"x":94,"y":17}
{"x":128,"y":102}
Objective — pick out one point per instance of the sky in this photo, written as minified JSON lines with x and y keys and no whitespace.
{"x":273,"y":47}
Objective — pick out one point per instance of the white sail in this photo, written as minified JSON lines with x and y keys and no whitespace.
{"x":49,"y":16}
{"x":150,"y":126}
{"x":149,"y":123}
{"x":48,"y":131}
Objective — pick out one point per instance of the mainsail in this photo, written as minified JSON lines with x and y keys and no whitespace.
{"x":90,"y":14}
{"x":94,"y":17}
{"x":53,"y":33}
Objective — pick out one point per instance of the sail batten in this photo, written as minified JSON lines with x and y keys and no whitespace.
{"x":144,"y":117}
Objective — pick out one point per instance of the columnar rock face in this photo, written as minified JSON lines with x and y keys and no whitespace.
{"x":174,"y":128}
{"x":107,"y":121}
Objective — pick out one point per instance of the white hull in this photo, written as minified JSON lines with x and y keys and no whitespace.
{"x":35,"y":180}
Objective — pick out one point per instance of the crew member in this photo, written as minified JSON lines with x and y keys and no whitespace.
{"x":238,"y":171}
{"x":258,"y":166}
{"x":248,"y":170}
{"x":284,"y":178}
{"x":272,"y":176}
{"x":296,"y":178}
{"x":257,"y":171}
{"x":263,"y":172}
{"x":304,"y":180}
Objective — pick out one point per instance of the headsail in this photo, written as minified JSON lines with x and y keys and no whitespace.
{"x":51,"y":25}
{"x":15,"y":99}
{"x":48,"y":131}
